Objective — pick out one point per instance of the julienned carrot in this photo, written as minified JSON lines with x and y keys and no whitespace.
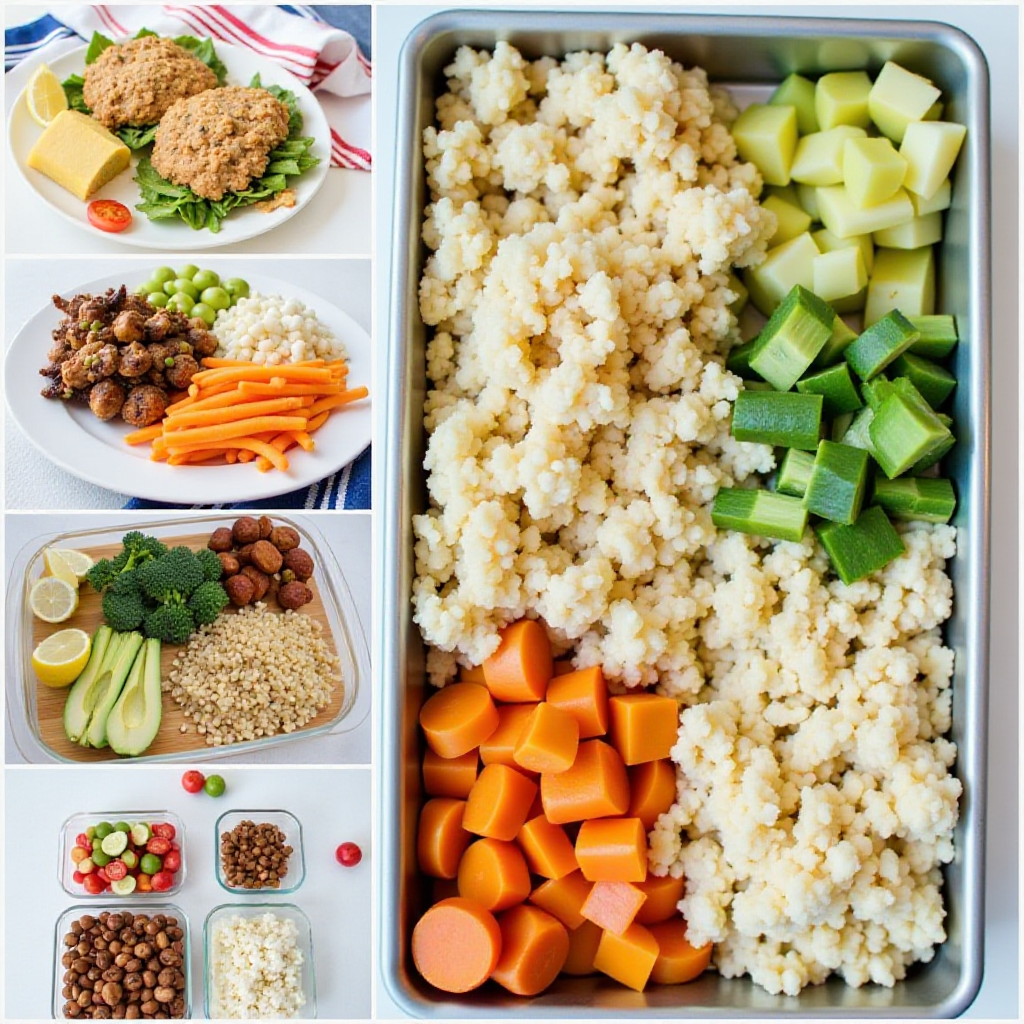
{"x":214,"y":362}
{"x":267,"y":389}
{"x":145,"y":434}
{"x":248,"y":456}
{"x":261,"y":447}
{"x":237,"y":428}
{"x":195,"y":391}
{"x":316,"y":422}
{"x":195,"y":457}
{"x":231,"y":456}
{"x":207,"y":378}
{"x":238,"y":409}
{"x":353,"y":395}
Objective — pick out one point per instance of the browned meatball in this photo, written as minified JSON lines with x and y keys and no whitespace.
{"x":202,"y":341}
{"x":260,"y":581}
{"x":135,"y":360}
{"x":245,"y":530}
{"x":284,"y":538}
{"x":89,"y":364}
{"x":294,"y":595}
{"x":266,"y":557}
{"x":266,"y":527}
{"x":300,"y":563}
{"x":106,"y":399}
{"x":228,"y":563}
{"x":180,"y":374}
{"x":144,"y":405}
{"x":220,"y":540}
{"x":243,"y":554}
{"x":240,"y":590}
{"x":129,"y":326}
{"x":159,"y":325}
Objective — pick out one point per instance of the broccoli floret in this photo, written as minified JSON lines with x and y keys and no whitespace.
{"x":141,"y":548}
{"x":208,"y":601}
{"x":136,"y":549}
{"x":127,"y":583}
{"x":171,"y":623}
{"x":212,"y":569}
{"x":172,"y":577}
{"x":123,"y":612}
{"x":102,"y":574}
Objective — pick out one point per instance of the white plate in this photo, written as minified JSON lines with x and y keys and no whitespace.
{"x":70,"y":436}
{"x":238,"y":226}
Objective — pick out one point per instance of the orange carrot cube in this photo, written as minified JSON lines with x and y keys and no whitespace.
{"x":583,"y":943}
{"x":440,"y":838}
{"x":612,"y":905}
{"x":643,"y":726}
{"x":499,"y":747}
{"x":533,"y":948}
{"x":449,"y":776}
{"x":520,"y":669}
{"x":596,"y":786}
{"x":548,"y":741}
{"x":494,"y":874}
{"x":663,"y":894}
{"x":612,"y":850}
{"x":563,"y":667}
{"x":548,"y":849}
{"x":563,"y":897}
{"x":472,"y":675}
{"x":629,"y":958}
{"x":678,"y":961}
{"x":584,"y":695}
{"x":652,"y":790}
{"x":498,"y":802}
{"x":458,"y":718}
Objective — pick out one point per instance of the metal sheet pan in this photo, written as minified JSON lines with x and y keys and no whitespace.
{"x":751,"y":53}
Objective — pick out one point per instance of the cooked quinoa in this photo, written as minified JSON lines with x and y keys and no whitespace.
{"x":583,"y":219}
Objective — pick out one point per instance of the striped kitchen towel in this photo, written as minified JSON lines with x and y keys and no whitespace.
{"x":326,"y":58}
{"x":349,"y":488}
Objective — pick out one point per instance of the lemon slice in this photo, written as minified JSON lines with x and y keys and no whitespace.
{"x":58,"y":566}
{"x":53,"y":599}
{"x":77,"y":561}
{"x":60,"y":658}
{"x":45,"y":96}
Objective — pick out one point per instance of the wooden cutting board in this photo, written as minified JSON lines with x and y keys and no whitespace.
{"x":170,"y":739}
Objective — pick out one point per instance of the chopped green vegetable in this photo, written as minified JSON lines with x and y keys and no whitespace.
{"x":841,"y":97}
{"x":797,"y":92}
{"x":766,"y":137}
{"x":938,"y":335}
{"x":833,"y":349}
{"x":794,"y":335}
{"x":759,"y":512}
{"x":858,"y":433}
{"x":838,"y":481}
{"x":865,"y":547}
{"x":879,"y":344}
{"x":794,"y":473}
{"x":738,"y":360}
{"x":836,"y":386}
{"x":905,"y":430}
{"x":933,"y":382}
{"x":778,"y":418}
{"x":931,"y":500}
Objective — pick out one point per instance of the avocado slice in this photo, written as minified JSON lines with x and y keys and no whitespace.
{"x":82,"y":696}
{"x":94,"y":693}
{"x":120,"y":669}
{"x":134,"y":720}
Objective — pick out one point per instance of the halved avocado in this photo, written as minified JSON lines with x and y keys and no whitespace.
{"x":120,"y":670}
{"x":97,"y":688}
{"x":84,"y":693}
{"x":134,"y":720}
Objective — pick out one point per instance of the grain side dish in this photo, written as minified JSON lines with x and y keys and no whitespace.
{"x":584,"y":218}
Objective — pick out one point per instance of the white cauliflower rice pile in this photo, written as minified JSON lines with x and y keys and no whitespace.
{"x":584,"y":218}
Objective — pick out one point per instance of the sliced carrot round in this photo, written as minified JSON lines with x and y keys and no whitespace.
{"x":533,"y":951}
{"x":456,"y":945}
{"x":441,"y":839}
{"x":494,"y":874}
{"x":677,"y":961}
{"x":521,"y":668}
{"x":458,"y":718}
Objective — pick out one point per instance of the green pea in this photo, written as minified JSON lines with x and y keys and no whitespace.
{"x":206,"y":279}
{"x":162,"y":274}
{"x":184,"y":284}
{"x":216,"y":298}
{"x":181,"y":302}
{"x":236,"y":287}
{"x":206,"y":312}
{"x":168,"y":361}
{"x":188,"y":271}
{"x":97,"y":325}
{"x":158,"y":299}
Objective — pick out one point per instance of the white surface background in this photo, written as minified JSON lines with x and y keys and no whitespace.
{"x":337,"y":220}
{"x":995,"y":29}
{"x":32,"y":481}
{"x":332,"y":805}
{"x":347,"y":534}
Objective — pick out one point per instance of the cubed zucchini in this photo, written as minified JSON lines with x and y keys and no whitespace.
{"x":931,"y":500}
{"x":819,"y":157}
{"x":899,"y":97}
{"x":939,"y":451}
{"x":808,"y":197}
{"x":797,"y":92}
{"x":838,"y":482}
{"x":876,"y":390}
{"x":766,"y":136}
{"x":763,"y":513}
{"x":842,"y":98}
{"x":868,"y":545}
{"x":938,"y":335}
{"x":783,"y":418}
{"x":858,"y":433}
{"x":795,"y":333}
{"x":903,"y":279}
{"x":923,"y":230}
{"x":930,"y":149}
{"x":905,"y":430}
{"x":935,"y":383}
{"x":879,"y":344}
{"x":850,"y":303}
{"x":737,"y":287}
{"x":783,"y":268}
{"x":738,"y":360}
{"x":832,"y":350}
{"x":827,"y":242}
{"x":836,"y":386}
{"x":839,"y":273}
{"x":841,"y":215}
{"x":791,"y":220}
{"x":794,"y":472}
{"x":872,"y":171}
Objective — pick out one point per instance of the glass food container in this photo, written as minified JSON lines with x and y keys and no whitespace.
{"x":292,"y":829}
{"x":35,"y":711}
{"x":288,"y":911}
{"x":72,"y":914}
{"x":79,"y":823}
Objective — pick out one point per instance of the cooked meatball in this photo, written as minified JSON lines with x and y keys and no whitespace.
{"x":135,"y":82}
{"x":144,"y":405}
{"x":219,"y":140}
{"x":202,"y":341}
{"x":179,"y":375}
{"x":159,"y":325}
{"x":129,"y":326}
{"x":106,"y":399}
{"x":136,"y":359}
{"x":89,"y":364}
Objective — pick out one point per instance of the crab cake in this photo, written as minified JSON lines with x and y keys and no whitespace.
{"x":219,"y":141}
{"x":135,"y":82}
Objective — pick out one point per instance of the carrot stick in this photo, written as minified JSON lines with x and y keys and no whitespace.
{"x":237,"y":409}
{"x":195,"y":457}
{"x":215,"y":363}
{"x":242,"y":443}
{"x":231,"y":456}
{"x":178,"y":406}
{"x":239,"y":428}
{"x":333,"y":401}
{"x":303,"y":440}
{"x":145,"y":434}
{"x":207,"y":378}
{"x":246,"y":455}
{"x":158,"y":455}
{"x":256,"y":388}
{"x":317,"y":421}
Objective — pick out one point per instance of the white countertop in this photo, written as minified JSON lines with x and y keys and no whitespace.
{"x":995,"y":28}
{"x":31,"y":480}
{"x":335,"y":899}
{"x":347,"y":534}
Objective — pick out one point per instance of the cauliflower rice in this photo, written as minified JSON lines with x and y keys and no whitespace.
{"x":583,"y":221}
{"x":270,"y":330}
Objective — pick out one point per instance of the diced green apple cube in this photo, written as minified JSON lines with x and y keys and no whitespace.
{"x":784,"y":266}
{"x":791,"y":220}
{"x":827,"y":242}
{"x":842,"y":98}
{"x":934,"y":112}
{"x":787,"y":193}
{"x":872,"y":171}
{"x":898,"y":98}
{"x":938,"y":202}
{"x":841,"y":215}
{"x":902,"y":279}
{"x":797,"y":92}
{"x":766,"y":136}
{"x":930,"y":149}
{"x":819,"y":157}
{"x":923,"y":230}
{"x":839,"y":273}
{"x":808,"y":197}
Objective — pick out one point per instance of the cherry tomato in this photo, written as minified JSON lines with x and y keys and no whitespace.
{"x":108,"y":215}
{"x":348,"y":855}
{"x":94,"y":885}
{"x":162,"y":881}
{"x":215,"y":786}
{"x":78,"y":877}
{"x":116,"y":869}
{"x":193,"y":781}
{"x":172,"y":862}
{"x":164,"y":830}
{"x":83,"y":841}
{"x":158,"y":846}
{"x":101,"y":874}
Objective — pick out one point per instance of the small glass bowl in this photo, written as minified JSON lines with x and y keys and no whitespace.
{"x":78,"y":823}
{"x":63,"y":927}
{"x":291,"y":912}
{"x":289,"y":825}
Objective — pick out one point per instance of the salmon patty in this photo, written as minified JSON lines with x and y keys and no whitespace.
{"x":135,"y":82}
{"x":219,"y":141}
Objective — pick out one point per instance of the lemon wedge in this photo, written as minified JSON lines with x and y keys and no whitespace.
{"x":57,"y":565}
{"x":60,"y":658}
{"x":45,"y":96}
{"x":77,"y":561}
{"x":53,"y":599}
